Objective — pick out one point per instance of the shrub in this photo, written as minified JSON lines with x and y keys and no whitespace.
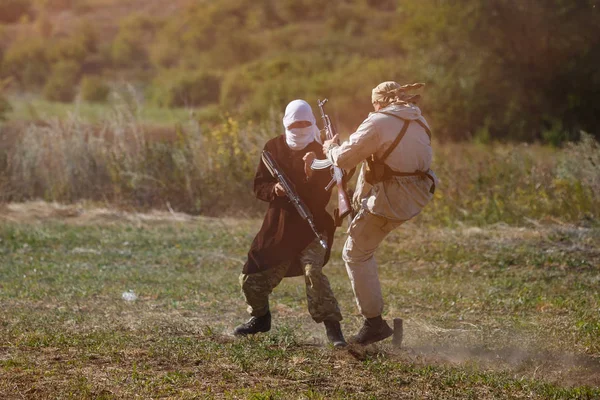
{"x":13,"y":10}
{"x":233,"y":49}
{"x":349,"y":19}
{"x":298,"y":10}
{"x":5,"y":107}
{"x":580,"y":162}
{"x":188,"y":89}
{"x":43,"y":26}
{"x":385,"y":5}
{"x":87,"y":34}
{"x":127,"y":52}
{"x":260,"y":87}
{"x":61,"y":85}
{"x":258,"y":84}
{"x":94,"y":89}
{"x":59,"y":5}
{"x":68,"y":49}
{"x":208,"y":36}
{"x":26,"y":61}
{"x":129,"y":46}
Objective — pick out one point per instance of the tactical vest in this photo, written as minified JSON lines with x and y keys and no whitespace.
{"x":378,"y":171}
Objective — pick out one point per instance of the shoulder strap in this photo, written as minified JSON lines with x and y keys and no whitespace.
{"x":396,"y":141}
{"x":424,"y":127}
{"x":418,"y":121}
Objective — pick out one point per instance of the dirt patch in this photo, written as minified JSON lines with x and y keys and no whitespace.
{"x":84,"y":214}
{"x":557,"y":367}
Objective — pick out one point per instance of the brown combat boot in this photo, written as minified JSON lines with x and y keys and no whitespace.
{"x":374,"y":330}
{"x":334,"y":334}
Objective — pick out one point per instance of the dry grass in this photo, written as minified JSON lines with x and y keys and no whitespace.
{"x":209,"y":170}
{"x":129,"y":164}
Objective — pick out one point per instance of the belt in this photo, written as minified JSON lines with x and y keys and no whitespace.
{"x":422,"y":174}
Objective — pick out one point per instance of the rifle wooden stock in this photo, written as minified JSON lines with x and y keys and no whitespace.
{"x":344,"y":204}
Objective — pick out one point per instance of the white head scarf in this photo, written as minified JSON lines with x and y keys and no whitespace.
{"x":299,"y":138}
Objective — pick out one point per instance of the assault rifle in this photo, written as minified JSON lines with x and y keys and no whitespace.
{"x":290,"y":192}
{"x":344,"y":205}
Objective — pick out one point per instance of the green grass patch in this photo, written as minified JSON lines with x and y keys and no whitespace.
{"x":34,"y":108}
{"x":489,"y":313}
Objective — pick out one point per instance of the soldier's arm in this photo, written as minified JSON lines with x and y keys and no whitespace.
{"x":359,"y":146}
{"x":264,"y":182}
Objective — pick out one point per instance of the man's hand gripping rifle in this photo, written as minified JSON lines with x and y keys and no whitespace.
{"x":344,"y":205}
{"x":290,"y":192}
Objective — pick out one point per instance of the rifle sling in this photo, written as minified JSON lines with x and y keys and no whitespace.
{"x":396,"y":141}
{"x":418,"y":121}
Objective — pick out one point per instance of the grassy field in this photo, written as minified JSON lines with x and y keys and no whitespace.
{"x":34,"y":108}
{"x":490,"y":312}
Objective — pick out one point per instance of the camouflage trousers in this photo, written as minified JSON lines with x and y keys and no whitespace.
{"x":322,"y":304}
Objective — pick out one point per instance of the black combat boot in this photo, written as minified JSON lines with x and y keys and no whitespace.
{"x":254,"y":325}
{"x":334,"y":334}
{"x":374,"y":330}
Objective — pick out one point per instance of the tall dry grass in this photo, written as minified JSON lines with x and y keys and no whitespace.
{"x":515,"y":183}
{"x":123,"y":162}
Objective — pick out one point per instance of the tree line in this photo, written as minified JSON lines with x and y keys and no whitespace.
{"x":494,"y":69}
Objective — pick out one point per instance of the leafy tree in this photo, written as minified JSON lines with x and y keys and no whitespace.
{"x":514,"y":67}
{"x":495,"y":69}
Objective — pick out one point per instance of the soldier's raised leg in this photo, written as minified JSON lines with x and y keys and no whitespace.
{"x":367,"y":231}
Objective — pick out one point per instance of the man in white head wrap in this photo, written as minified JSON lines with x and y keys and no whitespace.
{"x":396,"y":140}
{"x":285,"y":244}
{"x":300,"y":125}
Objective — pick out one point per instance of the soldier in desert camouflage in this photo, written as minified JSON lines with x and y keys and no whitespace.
{"x":394,"y":185}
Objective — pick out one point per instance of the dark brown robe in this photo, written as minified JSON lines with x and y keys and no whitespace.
{"x":284,"y":234}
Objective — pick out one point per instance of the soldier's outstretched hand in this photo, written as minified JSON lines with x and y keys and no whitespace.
{"x":328,"y":143}
{"x":308,"y":160}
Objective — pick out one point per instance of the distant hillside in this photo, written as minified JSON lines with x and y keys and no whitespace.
{"x":105,"y":15}
{"x":493,"y":69}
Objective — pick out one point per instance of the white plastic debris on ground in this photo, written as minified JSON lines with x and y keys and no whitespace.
{"x":129,"y":296}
